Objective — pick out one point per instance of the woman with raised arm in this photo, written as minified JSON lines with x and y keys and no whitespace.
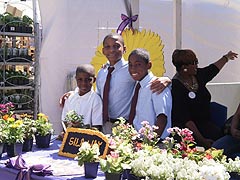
{"x":191,"y":99}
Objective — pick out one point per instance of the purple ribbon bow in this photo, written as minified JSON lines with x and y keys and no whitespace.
{"x":25,"y":171}
{"x":126,"y":20}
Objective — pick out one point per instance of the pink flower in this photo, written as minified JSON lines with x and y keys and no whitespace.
{"x":112,"y":143}
{"x":150,"y":136}
{"x":114,"y":154}
{"x":144,"y":123}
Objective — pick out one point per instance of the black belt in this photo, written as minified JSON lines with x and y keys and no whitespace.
{"x":113,"y":120}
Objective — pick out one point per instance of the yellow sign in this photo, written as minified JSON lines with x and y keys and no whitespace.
{"x":74,"y":138}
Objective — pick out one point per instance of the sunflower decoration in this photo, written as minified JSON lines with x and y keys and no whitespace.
{"x":137,"y":39}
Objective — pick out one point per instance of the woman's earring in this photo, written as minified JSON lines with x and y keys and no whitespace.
{"x":185,"y":69}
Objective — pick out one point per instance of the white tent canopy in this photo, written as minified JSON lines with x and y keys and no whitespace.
{"x":73,"y":29}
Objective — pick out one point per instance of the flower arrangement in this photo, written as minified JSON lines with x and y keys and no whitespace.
{"x":163,"y":165}
{"x":124,"y":131}
{"x":87,"y":153}
{"x":119,"y":157}
{"x":120,"y":148}
{"x":147,"y":134}
{"x":12,"y":130}
{"x":43,"y":126}
{"x":6,"y":110}
{"x":181,"y":159}
{"x":72,"y":119}
{"x":181,"y":144}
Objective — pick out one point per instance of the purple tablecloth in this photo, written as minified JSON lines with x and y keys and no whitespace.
{"x":63,"y":168}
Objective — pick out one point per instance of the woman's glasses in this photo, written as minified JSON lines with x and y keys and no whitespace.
{"x":195,"y":62}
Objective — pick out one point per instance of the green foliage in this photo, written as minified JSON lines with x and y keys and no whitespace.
{"x":6,"y":18}
{"x":29,"y":126}
{"x":27,"y":20}
{"x":43,"y":126}
{"x":15,"y":131}
{"x":112,"y":164}
{"x":87,"y":153}
{"x":3,"y":131}
{"x":73,"y":119}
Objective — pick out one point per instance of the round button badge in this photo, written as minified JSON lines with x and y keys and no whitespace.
{"x":192,"y":95}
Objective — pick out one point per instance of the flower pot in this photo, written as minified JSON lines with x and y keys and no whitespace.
{"x":113,"y":176}
{"x":14,"y":149}
{"x":27,"y":145}
{"x":43,"y":141}
{"x":91,"y":169}
{"x":234,"y":175}
{"x":125,"y":174}
{"x":133,"y":177}
{"x":1,"y":149}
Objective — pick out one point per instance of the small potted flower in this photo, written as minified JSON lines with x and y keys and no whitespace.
{"x":147,"y":135}
{"x":118,"y":159}
{"x":44,"y":131}
{"x":73,"y":119}
{"x":124,"y":131}
{"x":6,"y":110}
{"x":12,"y":129}
{"x":29,"y":131}
{"x":15,"y":136}
{"x":112,"y":166}
{"x":3,"y":135}
{"x":89,"y":157}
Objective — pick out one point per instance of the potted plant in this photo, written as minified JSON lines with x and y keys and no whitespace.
{"x":15,"y":136}
{"x":3,"y":135}
{"x":44,"y":131}
{"x":124,"y":131}
{"x":12,"y":129}
{"x":29,"y":131}
{"x":118,"y":159}
{"x":28,"y":22}
{"x":147,"y":135}
{"x":112,"y":166}
{"x":72,"y":119}
{"x":89,"y":157}
{"x":6,"y":18}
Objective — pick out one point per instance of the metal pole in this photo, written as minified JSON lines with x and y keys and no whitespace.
{"x":132,"y":8}
{"x":36,"y":62}
{"x":177,"y":20}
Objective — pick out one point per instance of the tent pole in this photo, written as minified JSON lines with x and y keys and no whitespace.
{"x":36,"y":60}
{"x":135,"y":11}
{"x":132,"y":8}
{"x":177,"y":23}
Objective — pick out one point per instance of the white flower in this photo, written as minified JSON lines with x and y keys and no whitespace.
{"x":233,"y":165}
{"x":84,"y":147}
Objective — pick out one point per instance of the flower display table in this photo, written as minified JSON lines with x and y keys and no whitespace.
{"x":63,"y":168}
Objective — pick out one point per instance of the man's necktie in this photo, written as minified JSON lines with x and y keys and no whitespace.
{"x":134,"y":104}
{"x":106,"y":94}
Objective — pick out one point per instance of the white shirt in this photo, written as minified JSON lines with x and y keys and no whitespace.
{"x":89,"y":105}
{"x":121,"y":89}
{"x":150,"y":105}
